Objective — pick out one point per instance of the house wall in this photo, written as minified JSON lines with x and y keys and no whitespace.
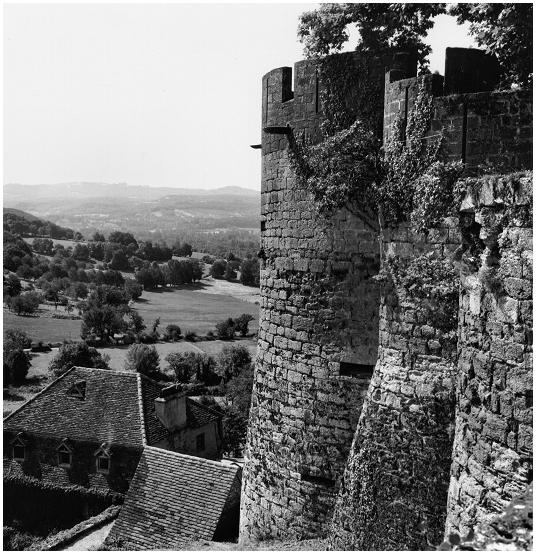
{"x":42,"y":462}
{"x":184,"y":441}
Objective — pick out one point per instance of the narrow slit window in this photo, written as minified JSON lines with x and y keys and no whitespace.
{"x":318,"y":480}
{"x":103,"y":464}
{"x":200,"y":442}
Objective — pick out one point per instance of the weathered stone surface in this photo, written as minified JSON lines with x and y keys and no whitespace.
{"x":493,"y":444}
{"x":394,"y":490}
{"x":319,"y":307}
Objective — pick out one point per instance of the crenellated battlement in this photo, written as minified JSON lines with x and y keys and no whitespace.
{"x":481,"y":126}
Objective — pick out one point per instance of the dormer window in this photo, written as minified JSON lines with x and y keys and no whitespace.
{"x":19,"y":449}
{"x":78,"y":390}
{"x":102,"y":458}
{"x":65,"y":455}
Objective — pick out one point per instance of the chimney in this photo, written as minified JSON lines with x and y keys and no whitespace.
{"x":170,"y":408}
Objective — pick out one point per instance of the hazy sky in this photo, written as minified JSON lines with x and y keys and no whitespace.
{"x":160,"y":95}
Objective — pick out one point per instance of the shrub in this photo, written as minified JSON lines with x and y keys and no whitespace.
{"x":190,"y":336}
{"x":77,"y":354}
{"x":242,"y":323}
{"x":226,"y":329}
{"x":148,"y":338}
{"x":218,"y":269}
{"x":142,"y":359}
{"x":173,"y":332}
{"x":26,"y":303}
{"x":18,"y":338}
{"x":192,"y":366}
{"x":250,"y":272}
{"x":16,"y":366}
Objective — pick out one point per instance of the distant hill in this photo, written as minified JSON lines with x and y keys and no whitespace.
{"x":18,"y":222}
{"x":14,"y":192}
{"x":20,"y":213}
{"x":147,"y":212}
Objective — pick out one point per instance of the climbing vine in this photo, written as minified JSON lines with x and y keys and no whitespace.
{"x":431,"y":282}
{"x":409,"y":182}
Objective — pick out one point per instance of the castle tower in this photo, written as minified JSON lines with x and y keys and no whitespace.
{"x":318,"y":334}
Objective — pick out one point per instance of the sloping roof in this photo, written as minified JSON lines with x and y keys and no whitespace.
{"x":116,"y":407}
{"x":198,"y":415}
{"x":174,"y":498}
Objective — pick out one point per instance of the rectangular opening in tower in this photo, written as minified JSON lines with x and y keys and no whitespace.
{"x":317,"y":480}
{"x":350,"y":369}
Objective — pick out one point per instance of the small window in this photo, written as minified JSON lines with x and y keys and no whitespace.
{"x":78,"y":390}
{"x":200,"y":442}
{"x":103,"y":464}
{"x":64,"y":456}
{"x":19,"y":452}
{"x":349,"y":369}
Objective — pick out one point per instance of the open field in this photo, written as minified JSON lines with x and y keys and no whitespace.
{"x":64,"y":243}
{"x":44,"y":329}
{"x":193,"y":308}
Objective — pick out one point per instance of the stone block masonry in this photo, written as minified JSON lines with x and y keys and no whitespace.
{"x":318,"y":336}
{"x":492,"y":456}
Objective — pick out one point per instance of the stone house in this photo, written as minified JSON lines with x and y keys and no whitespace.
{"x":89,"y":428}
{"x":74,"y":448}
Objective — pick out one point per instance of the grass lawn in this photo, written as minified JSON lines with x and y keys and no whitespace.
{"x":46,"y":329}
{"x":192,"y":309}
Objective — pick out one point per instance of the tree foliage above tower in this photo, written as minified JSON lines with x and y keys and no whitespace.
{"x":381,"y":27}
{"x":504,"y":30}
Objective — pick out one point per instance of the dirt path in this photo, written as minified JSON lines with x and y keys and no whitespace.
{"x":93,"y":540}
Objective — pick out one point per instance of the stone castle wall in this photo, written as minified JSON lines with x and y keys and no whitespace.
{"x":324,"y":325}
{"x":318,"y":336}
{"x":492,"y":457}
{"x":480,"y":126}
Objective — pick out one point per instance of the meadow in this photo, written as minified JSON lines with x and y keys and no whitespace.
{"x":192,"y":308}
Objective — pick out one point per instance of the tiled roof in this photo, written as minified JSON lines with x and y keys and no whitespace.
{"x":174,"y":498}
{"x":198,"y":415}
{"x":110,"y":406}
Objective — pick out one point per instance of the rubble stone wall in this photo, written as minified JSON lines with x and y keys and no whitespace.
{"x":492,"y":457}
{"x":394,"y":491}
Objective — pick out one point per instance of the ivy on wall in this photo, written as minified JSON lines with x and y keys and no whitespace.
{"x":431,"y":283}
{"x":406,"y":182}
